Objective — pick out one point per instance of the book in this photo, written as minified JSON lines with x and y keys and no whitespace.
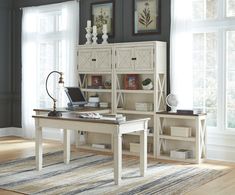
{"x":101,"y":146}
{"x":113,"y":117}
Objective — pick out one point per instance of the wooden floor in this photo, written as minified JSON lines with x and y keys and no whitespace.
{"x":15,"y":147}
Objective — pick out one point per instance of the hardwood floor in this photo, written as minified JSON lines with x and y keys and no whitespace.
{"x":14,"y":147}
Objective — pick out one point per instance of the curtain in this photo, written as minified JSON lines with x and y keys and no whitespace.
{"x":49,"y":40}
{"x":180,"y":53}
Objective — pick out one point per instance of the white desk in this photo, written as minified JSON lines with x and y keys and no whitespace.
{"x":71,"y":121}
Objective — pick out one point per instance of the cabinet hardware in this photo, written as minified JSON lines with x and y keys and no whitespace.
{"x":93,"y":60}
{"x":133,"y":58}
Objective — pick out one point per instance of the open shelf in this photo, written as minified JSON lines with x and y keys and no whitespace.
{"x":137,"y":133}
{"x":127,"y":152}
{"x":188,"y":139}
{"x":134,"y":112}
{"x":167,"y":157}
{"x":97,"y":90}
{"x":89,"y":147}
{"x":135,"y":91}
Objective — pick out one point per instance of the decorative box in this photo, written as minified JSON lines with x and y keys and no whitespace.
{"x":181,"y":154}
{"x":104,"y":104}
{"x":181,"y":131}
{"x":144,"y":106}
{"x":135,"y":147}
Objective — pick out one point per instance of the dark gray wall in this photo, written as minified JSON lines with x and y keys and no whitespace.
{"x":124,"y":22}
{"x":5,"y":64}
{"x":10,"y":47}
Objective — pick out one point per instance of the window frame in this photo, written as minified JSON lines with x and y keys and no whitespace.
{"x":221,"y":25}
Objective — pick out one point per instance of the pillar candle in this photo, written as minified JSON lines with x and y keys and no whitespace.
{"x":94,"y":29}
{"x":88,"y":23}
{"x":105,"y":28}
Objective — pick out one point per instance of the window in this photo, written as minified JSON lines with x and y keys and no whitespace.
{"x":211,"y":26}
{"x":49,"y":39}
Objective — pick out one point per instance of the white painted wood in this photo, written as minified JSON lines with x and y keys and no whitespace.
{"x":144,"y":58}
{"x":124,"y":60}
{"x":117,"y":154}
{"x":66,"y":146}
{"x":147,"y":59}
{"x":103,"y":58}
{"x":93,"y":59}
{"x":196,"y":143}
{"x":143,"y":151}
{"x":38,"y":145}
{"x":116,"y":130}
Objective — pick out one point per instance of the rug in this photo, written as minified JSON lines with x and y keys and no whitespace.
{"x":90,"y":173}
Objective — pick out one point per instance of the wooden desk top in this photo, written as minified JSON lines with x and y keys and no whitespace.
{"x":180,"y":114}
{"x":71,"y":116}
{"x":82,"y":109}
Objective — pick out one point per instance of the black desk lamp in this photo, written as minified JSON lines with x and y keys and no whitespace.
{"x":61,"y":81}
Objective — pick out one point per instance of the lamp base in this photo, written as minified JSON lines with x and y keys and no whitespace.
{"x":55,"y":113}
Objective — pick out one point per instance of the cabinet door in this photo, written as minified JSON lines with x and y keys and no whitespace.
{"x":144,"y":58}
{"x":85,"y":62}
{"x":124,"y":61}
{"x":103,"y":59}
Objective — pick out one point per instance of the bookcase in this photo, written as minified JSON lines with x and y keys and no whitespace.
{"x":120,"y":63}
{"x":196,"y":142}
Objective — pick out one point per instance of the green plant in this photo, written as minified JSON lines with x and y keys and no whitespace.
{"x":101,"y":19}
{"x":145,"y":16}
{"x":146,"y":81}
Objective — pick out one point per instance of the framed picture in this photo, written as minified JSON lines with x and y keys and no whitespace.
{"x":96,"y":81}
{"x":103,"y":13}
{"x":131,"y":81}
{"x":146,"y":16}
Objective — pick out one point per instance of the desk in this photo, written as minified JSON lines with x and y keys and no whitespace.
{"x":71,"y":121}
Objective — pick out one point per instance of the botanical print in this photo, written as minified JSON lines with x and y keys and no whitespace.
{"x":146,"y":15}
{"x":102,"y":14}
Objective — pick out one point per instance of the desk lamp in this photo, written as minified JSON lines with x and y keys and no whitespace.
{"x":61,"y":81}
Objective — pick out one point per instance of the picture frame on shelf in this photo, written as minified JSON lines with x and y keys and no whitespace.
{"x":146,"y":17}
{"x":103,"y":13}
{"x":96,"y":81}
{"x":131,"y":81}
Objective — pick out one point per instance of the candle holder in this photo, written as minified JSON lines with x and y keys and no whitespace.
{"x":105,"y":37}
{"x":88,"y":35}
{"x":94,"y":38}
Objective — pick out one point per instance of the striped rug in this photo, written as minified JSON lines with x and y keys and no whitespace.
{"x":90,"y":173}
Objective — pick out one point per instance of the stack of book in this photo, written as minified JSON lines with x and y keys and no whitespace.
{"x":113,"y":117}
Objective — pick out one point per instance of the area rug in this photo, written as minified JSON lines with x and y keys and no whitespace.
{"x":90,"y":173}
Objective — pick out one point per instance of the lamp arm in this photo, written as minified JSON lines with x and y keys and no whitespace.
{"x":47,"y":82}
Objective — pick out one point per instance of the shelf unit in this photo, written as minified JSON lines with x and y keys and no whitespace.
{"x":147,"y":59}
{"x":166,"y":142}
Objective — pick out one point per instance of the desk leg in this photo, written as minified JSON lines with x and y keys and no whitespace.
{"x":117,"y":146}
{"x":66,"y":146}
{"x":143,"y":152}
{"x":38,"y":146}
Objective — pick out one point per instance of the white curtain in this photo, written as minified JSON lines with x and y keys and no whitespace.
{"x":180,"y":53}
{"x":49,"y":40}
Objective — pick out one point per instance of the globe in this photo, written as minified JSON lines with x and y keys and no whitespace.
{"x":172,"y":102}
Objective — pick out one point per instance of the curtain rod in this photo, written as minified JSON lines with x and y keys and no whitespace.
{"x":47,"y":4}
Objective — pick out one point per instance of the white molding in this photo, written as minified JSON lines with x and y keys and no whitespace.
{"x":49,"y":134}
{"x":221,"y":147}
{"x":10,"y":131}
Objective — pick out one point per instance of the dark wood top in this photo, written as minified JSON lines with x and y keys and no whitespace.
{"x":82,"y":109}
{"x":180,"y":114}
{"x":75,"y":117}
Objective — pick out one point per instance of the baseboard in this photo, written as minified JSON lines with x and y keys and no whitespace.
{"x":221,"y":147}
{"x":11,"y":131}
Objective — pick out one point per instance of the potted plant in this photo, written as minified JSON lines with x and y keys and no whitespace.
{"x":147,"y":84}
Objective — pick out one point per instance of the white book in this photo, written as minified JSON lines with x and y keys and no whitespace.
{"x":102,"y":146}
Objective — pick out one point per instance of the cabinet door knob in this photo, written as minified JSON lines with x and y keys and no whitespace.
{"x":133,"y":58}
{"x":93,"y":60}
